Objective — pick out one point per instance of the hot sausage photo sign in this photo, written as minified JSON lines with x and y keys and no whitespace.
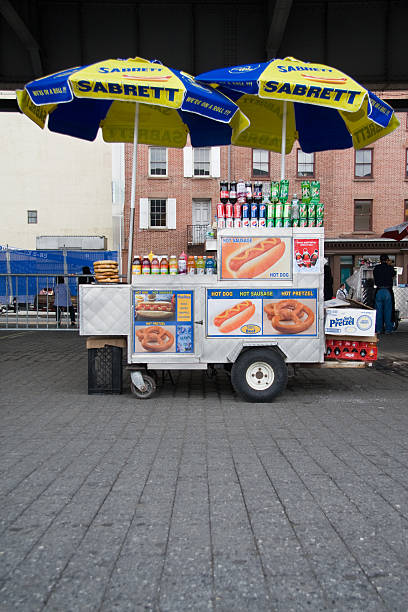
{"x":255,"y":257}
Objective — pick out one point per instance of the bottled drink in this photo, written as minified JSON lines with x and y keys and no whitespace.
{"x":173,"y":264}
{"x":241,"y":192}
{"x":146,"y":265}
{"x":200,"y":265}
{"x":294,"y":208}
{"x":164,"y":265}
{"x":136,"y":266}
{"x":155,"y":266}
{"x":248,"y":192}
{"x":233,"y":192}
{"x":224,"y":192}
{"x":257,"y":195}
{"x":182,"y":263}
{"x":191,"y":265}
{"x":209,"y":265}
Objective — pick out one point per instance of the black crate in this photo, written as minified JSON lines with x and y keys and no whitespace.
{"x":105,"y":370}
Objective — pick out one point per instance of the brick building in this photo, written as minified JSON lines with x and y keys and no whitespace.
{"x":363,"y":192}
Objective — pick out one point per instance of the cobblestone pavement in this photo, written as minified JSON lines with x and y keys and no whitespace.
{"x":196,"y":500}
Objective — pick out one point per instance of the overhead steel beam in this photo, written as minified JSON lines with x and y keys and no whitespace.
{"x":14,"y":20}
{"x":277,"y":28}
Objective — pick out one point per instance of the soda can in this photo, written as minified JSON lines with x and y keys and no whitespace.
{"x":246,"y":222}
{"x":278,"y":211}
{"x":286,"y":210}
{"x":319,"y":222}
{"x":237,"y":210}
{"x":311,"y":222}
{"x":229,"y":210}
{"x":278,"y":222}
{"x":254,"y":222}
{"x":221,"y":222}
{"x":254,"y":210}
{"x":237,"y":222}
{"x":262,"y":211}
{"x":319,"y":210}
{"x":220,"y":210}
{"x":270,"y":223}
{"x":311,"y":210}
{"x":287,"y":222}
{"x":270,"y":211}
{"x":262,"y":222}
{"x":295,"y":222}
{"x":302,"y":211}
{"x":302,"y":222}
{"x":229,"y":223}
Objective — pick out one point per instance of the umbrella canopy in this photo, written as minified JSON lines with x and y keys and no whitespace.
{"x":132,"y":100}
{"x":289,"y":99}
{"x":80,"y":101}
{"x":397,"y":232}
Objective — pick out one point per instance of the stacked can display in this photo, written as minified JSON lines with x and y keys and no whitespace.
{"x":243,"y":204}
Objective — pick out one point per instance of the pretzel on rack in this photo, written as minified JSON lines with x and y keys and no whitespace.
{"x":289,"y":316}
{"x":155,"y":338}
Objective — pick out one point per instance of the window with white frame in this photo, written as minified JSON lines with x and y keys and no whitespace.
{"x":157,"y":213}
{"x":260,"y":162}
{"x":201,"y":161}
{"x":32,"y":216}
{"x":305,"y":163}
{"x":157,"y":161}
{"x":364,"y":163}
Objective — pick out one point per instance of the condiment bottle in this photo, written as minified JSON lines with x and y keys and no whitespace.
{"x":146,"y":265}
{"x":200,"y":265}
{"x":164,"y":265}
{"x":191,"y":265}
{"x":173,"y":264}
{"x":136,"y":266}
{"x":182,"y":263}
{"x":155,"y":266}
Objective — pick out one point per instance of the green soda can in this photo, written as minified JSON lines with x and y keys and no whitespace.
{"x":284,"y":191}
{"x":295,"y":222}
{"x":315,"y":191}
{"x":319,"y":222}
{"x":303,"y":222}
{"x":311,"y":210}
{"x":311,"y":222}
{"x":270,"y":211}
{"x":287,"y":211}
{"x":319,"y":210}
{"x":279,"y":222}
{"x":287,"y":222}
{"x":274,"y":191}
{"x":302,"y":210}
{"x":306,"y":192}
{"x":270,"y":222}
{"x":278,"y":210}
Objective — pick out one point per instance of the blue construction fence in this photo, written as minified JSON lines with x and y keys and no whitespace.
{"x":50,"y":263}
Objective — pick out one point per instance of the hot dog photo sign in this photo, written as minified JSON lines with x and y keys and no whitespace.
{"x":256,"y":257}
{"x":261,"y":312}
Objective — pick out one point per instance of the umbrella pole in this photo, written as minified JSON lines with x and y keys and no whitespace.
{"x":283,"y":145}
{"x":133,"y":196}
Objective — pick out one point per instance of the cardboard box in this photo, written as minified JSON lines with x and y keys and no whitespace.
{"x":350,"y":321}
{"x":353,"y":350}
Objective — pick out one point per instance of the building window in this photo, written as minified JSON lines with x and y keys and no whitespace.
{"x":305,"y":163}
{"x":364,"y":164}
{"x":157,"y":213}
{"x":406,"y":163}
{"x":157,"y":161}
{"x":363,"y":215}
{"x":32,"y":216}
{"x":260,"y":162}
{"x":405,"y":210}
{"x":201,"y":161}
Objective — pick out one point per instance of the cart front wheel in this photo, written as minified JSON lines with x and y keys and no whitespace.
{"x":150,"y":388}
{"x":259,"y":375}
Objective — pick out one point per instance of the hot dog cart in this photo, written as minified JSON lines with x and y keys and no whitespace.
{"x":261,"y":311}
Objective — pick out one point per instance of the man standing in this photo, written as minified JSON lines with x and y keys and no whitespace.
{"x":383,"y":276}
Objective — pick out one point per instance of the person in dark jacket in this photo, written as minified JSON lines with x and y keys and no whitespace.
{"x":87,"y":279}
{"x":369,"y":293}
{"x":383,"y":277}
{"x":328,"y":283}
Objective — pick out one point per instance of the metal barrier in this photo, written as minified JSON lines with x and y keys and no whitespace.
{"x":27,"y":302}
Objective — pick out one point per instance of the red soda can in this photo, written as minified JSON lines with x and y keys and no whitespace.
{"x":229,"y":210}
{"x":229,"y":222}
{"x":237,"y":210}
{"x":221,"y":222}
{"x":237,"y":222}
{"x":220,"y":210}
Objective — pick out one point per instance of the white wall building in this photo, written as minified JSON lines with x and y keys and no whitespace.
{"x":54,"y":185}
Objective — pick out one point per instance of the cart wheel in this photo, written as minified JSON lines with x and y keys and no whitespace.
{"x":150,"y":384}
{"x":259,"y":375}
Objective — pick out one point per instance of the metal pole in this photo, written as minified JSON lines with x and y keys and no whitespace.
{"x":133,"y":196}
{"x":283,"y":147}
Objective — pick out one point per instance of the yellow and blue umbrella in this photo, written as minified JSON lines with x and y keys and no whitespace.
{"x":289,"y":99}
{"x":132,"y":100}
